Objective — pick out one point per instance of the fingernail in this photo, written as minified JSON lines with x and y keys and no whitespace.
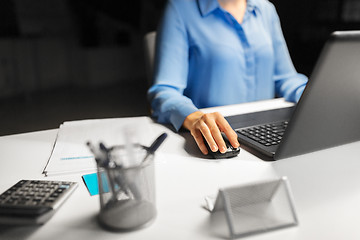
{"x":223,"y":149}
{"x":214,"y":148}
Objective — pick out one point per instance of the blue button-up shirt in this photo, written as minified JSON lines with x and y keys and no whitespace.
{"x":205,"y":58}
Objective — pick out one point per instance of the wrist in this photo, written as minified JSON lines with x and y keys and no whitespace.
{"x":191,"y":119}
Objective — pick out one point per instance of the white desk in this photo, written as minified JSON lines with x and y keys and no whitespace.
{"x":325,"y":185}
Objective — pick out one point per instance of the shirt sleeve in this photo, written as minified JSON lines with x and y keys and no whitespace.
{"x":288,"y":83}
{"x":168,"y":103}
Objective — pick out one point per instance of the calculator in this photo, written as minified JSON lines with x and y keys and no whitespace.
{"x":33,"y":201}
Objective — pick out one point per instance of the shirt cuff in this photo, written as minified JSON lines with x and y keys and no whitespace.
{"x":298,"y":93}
{"x":177,"y":117}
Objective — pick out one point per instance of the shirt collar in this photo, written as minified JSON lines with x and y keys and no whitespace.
{"x":208,"y":6}
{"x":252,"y":6}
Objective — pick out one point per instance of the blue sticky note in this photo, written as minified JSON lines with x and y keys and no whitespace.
{"x":91,"y":182}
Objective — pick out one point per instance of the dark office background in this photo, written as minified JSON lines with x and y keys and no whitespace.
{"x":64,"y":60}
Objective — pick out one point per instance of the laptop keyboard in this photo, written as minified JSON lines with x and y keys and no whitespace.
{"x":267,"y":134}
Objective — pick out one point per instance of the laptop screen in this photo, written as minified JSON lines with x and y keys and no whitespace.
{"x":328,"y":113}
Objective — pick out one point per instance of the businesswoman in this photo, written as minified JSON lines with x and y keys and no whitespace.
{"x":214,"y":53}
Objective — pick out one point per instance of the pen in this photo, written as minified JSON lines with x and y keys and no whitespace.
{"x":154,"y":146}
{"x":106,"y":152}
{"x":102,"y":160}
{"x":113,"y":169}
{"x":131,"y":156}
{"x":99,"y":161}
{"x":99,"y":156}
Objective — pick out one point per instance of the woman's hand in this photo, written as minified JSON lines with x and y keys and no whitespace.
{"x":210,"y":125}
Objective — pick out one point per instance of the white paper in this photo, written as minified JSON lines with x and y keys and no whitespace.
{"x":70,"y":153}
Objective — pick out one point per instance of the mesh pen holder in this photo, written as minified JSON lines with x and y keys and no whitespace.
{"x":127,"y":194}
{"x":253,"y":208}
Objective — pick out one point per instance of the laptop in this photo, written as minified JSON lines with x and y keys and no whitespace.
{"x":327,"y":114}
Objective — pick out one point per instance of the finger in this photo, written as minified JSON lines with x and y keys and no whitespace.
{"x":205,"y":131}
{"x":233,"y":138}
{"x":200,"y":142}
{"x":228,"y":131}
{"x":215,"y":133}
{"x":220,"y":141}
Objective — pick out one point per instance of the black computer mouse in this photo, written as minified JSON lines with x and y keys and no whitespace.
{"x":230,"y":150}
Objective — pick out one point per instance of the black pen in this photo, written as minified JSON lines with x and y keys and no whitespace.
{"x":113,"y":171}
{"x":99,"y":156}
{"x":154,"y":146}
{"x":110,"y":168}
